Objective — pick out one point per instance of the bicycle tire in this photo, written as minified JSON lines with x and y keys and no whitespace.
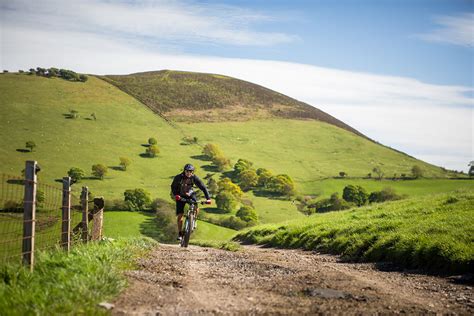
{"x":189,"y":228}
{"x":184,"y":232}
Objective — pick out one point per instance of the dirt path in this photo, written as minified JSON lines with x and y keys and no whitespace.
{"x":255,"y":280}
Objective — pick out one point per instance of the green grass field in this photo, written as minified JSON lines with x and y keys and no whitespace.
{"x":431,"y":232}
{"x":36,"y":108}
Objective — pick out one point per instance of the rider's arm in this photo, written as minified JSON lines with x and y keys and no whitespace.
{"x":175,"y":185}
{"x":202,"y":187}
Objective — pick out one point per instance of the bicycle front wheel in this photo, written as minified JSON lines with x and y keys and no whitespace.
{"x":188,"y":228}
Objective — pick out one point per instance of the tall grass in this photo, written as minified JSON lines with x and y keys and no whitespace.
{"x":434,"y":232}
{"x":71,"y":283}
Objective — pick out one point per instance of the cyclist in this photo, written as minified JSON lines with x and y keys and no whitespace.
{"x":182,"y":187}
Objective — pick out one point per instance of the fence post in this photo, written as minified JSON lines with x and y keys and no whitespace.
{"x":85,"y":213}
{"x":29,"y":214}
{"x":66,"y":222}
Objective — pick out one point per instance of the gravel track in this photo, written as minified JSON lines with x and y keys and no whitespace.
{"x":174,"y":280}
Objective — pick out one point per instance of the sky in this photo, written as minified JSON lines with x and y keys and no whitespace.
{"x":399,"y":71}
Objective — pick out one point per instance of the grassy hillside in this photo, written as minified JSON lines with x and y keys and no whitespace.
{"x":433,"y":232}
{"x":38,"y":109}
{"x":193,"y":97}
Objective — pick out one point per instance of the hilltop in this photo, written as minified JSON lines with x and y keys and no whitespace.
{"x":190,"y":96}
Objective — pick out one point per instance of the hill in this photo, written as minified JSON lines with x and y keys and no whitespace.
{"x":189,"y":96}
{"x":310,"y":151}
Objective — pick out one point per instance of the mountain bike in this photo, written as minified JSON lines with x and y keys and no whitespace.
{"x":190,"y":220}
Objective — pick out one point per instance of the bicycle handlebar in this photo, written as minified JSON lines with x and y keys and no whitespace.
{"x":191,"y":201}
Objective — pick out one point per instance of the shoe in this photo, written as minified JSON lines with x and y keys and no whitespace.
{"x":195,"y":225}
{"x":179,"y":238}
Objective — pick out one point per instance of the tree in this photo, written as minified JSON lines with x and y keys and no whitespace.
{"x":355,"y":194}
{"x":152,"y":151}
{"x":31,"y":145}
{"x":378,"y":171}
{"x":242,"y":165}
{"x":342,"y":174}
{"x":248,"y":179}
{"x":247,"y":214}
{"x":74,"y":114}
{"x":137,"y":199}
{"x":471,"y":169}
{"x":212,"y":186}
{"x":264,"y":177}
{"x":221,"y":162}
{"x":124,"y":163}
{"x":93,"y":116}
{"x":226,"y":201}
{"x":76,"y":174}
{"x":152,"y":141}
{"x":99,"y":171}
{"x":227,"y":185}
{"x":416,"y":172}
{"x":282,"y":184}
{"x":211,"y":151}
{"x":83,"y":78}
{"x":53,"y":72}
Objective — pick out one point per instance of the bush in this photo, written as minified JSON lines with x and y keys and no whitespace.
{"x":248,"y":179}
{"x":387,"y":194}
{"x":355,"y":194}
{"x":30,"y":145}
{"x":264,"y":177}
{"x":13,"y":206}
{"x":76,"y":174}
{"x":242,"y":165}
{"x":152,"y":151}
{"x":227,"y":185}
{"x":416,"y":172}
{"x":99,"y":171}
{"x":211,"y":151}
{"x":226,"y":201}
{"x":137,"y":199}
{"x":247,"y":214}
{"x":166,"y":219}
{"x":233,"y":222}
{"x":124,"y":163}
{"x":282,"y":184}
{"x":152,"y":141}
{"x":334,"y":203}
{"x":221,"y":162}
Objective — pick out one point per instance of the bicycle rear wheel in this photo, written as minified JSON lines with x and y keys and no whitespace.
{"x":188,"y":228}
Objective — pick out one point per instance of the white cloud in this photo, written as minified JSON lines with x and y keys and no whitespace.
{"x":430,"y":122}
{"x":151,"y":21}
{"x":458,"y":30}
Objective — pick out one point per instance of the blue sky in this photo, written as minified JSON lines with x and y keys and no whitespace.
{"x":400,"y":72}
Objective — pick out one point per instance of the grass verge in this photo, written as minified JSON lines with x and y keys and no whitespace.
{"x":224,"y":245}
{"x":71,"y":283}
{"x":431,"y":232}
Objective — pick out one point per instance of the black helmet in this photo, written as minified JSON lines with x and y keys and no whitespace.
{"x":188,"y":167}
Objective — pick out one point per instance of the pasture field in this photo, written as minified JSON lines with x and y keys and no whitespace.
{"x":431,"y":232}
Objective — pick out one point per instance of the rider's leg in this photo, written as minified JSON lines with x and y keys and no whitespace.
{"x":180,"y":223}
{"x":179,"y":218}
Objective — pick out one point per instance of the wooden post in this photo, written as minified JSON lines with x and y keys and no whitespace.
{"x":99,"y":204}
{"x":29,"y":214}
{"x":85,"y":214}
{"x":66,"y":222}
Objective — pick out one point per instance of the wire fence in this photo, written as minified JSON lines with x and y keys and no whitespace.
{"x":36,"y":216}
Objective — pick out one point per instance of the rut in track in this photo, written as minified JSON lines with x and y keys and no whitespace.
{"x":173,"y":280}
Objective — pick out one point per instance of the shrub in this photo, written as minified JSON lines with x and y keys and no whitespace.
{"x":226,"y":201}
{"x":152,"y":141}
{"x":221,"y":162}
{"x":342,"y":174}
{"x":264,"y":177}
{"x":124,"y":163}
{"x":137,"y":199}
{"x":248,"y":179}
{"x":211,"y":151}
{"x":30,"y":145}
{"x":387,"y":194}
{"x":83,"y":78}
{"x":334,"y":203}
{"x":355,"y":194}
{"x":378,"y":171}
{"x":152,"y":151}
{"x":99,"y":171}
{"x":212,"y":186}
{"x":242,"y":165}
{"x":416,"y":172}
{"x":76,"y":174}
{"x":247,"y":214}
{"x":165,"y":217}
{"x":233,"y":222}
{"x":228,"y":186}
{"x":282,"y":184}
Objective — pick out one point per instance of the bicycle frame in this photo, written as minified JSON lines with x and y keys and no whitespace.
{"x":189,"y":220}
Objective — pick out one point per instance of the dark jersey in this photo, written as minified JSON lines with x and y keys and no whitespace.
{"x":182,"y":185}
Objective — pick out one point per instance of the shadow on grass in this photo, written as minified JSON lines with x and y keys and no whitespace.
{"x":116,"y":168}
{"x":146,"y":145}
{"x":269,"y":195}
{"x":145,"y":155}
{"x":161,"y":229}
{"x":16,"y":181}
{"x":22,"y":150}
{"x":201,"y":157}
{"x":210,"y":168}
{"x":215,"y":210}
